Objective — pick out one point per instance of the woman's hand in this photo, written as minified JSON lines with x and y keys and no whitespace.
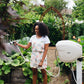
{"x":40,"y":64}
{"x":15,"y":43}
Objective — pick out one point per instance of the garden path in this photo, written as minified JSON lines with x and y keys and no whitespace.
{"x":51,"y":58}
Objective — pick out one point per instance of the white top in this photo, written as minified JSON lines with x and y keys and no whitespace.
{"x":36,"y":42}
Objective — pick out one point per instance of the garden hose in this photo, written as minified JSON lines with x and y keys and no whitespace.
{"x":55,"y":76}
{"x":26,"y":60}
{"x":73,"y":74}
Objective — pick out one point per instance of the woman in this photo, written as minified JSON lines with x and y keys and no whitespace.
{"x":39,"y":43}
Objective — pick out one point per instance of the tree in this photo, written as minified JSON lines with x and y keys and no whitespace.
{"x":58,"y":4}
{"x":78,"y":11}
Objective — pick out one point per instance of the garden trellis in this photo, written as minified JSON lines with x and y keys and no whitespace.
{"x":59,"y":14}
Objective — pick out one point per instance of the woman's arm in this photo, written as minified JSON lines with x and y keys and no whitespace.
{"x":23,"y":46}
{"x":44,"y":54}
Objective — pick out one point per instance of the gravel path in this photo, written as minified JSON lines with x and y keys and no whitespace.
{"x":51,"y":58}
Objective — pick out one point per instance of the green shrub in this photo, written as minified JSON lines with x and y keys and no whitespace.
{"x":16,"y":61}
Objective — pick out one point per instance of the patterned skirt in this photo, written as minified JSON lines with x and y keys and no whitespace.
{"x":36,"y":57}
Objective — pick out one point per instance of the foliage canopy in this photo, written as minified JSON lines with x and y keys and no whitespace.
{"x":78,"y":11}
{"x":58,"y":4}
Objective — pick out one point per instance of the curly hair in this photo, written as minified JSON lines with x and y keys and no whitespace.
{"x":43,"y":29}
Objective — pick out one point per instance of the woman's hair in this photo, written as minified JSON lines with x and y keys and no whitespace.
{"x":43,"y":29}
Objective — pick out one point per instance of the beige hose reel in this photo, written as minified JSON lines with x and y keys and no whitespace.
{"x":68,"y":51}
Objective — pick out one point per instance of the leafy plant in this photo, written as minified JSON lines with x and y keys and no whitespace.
{"x":66,"y":81}
{"x":65,"y":67}
{"x":78,"y":11}
{"x":1,"y":82}
{"x":16,"y":61}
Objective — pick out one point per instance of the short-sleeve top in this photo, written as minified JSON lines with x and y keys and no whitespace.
{"x":38,"y":43}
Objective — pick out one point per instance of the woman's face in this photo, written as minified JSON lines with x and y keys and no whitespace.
{"x":37,"y":30}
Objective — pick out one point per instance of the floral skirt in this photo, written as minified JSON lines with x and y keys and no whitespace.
{"x":36,"y":57}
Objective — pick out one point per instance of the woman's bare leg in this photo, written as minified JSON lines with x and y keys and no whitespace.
{"x":44,"y":74}
{"x":34,"y":75}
